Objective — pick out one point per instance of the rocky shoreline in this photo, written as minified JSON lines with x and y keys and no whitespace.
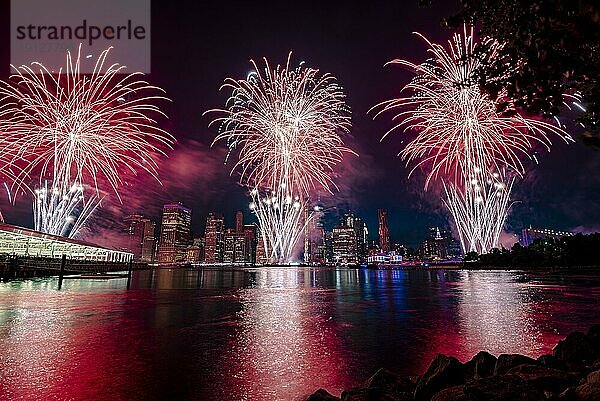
{"x":570,"y":373}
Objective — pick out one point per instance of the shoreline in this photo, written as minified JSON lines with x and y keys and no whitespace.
{"x":44,"y":271}
{"x":570,"y":373}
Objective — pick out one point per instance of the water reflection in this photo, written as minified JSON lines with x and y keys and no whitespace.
{"x":264,"y":334}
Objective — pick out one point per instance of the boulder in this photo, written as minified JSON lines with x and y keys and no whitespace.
{"x":506,"y":362}
{"x":481,"y":365}
{"x":443,"y":372}
{"x":322,"y":395}
{"x":593,"y":335}
{"x":455,"y":393}
{"x":550,"y":361}
{"x":390,"y":381}
{"x":502,"y":388}
{"x":575,"y":350}
{"x":589,"y":389}
{"x":545,"y":378}
{"x":567,"y":395}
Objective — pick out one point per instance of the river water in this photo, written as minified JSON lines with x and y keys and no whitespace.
{"x":269,"y":333}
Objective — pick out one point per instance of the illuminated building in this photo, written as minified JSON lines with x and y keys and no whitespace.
{"x":20,"y":241}
{"x":250,"y":235}
{"x":174,"y":233}
{"x":361,"y":234}
{"x":314,"y":241}
{"x":195,"y":251}
{"x":141,"y":237}
{"x":261,"y":252}
{"x":239,"y":221}
{"x":390,"y":258}
{"x":234,"y":247}
{"x":328,"y":246}
{"x":384,"y":233}
{"x":213,"y":238}
{"x":529,"y":235}
{"x":434,"y":246}
{"x":350,"y":240}
{"x":344,"y":245}
{"x":400,"y":249}
{"x":317,"y":246}
{"x":192,"y":254}
{"x":440,"y":245}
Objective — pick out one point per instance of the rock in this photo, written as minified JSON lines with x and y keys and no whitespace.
{"x":373,"y":394}
{"x":443,"y":372}
{"x":502,"y":388}
{"x":593,"y":335}
{"x":567,"y":395}
{"x":550,"y":361}
{"x":545,"y":378}
{"x":506,"y":362}
{"x":322,"y":395}
{"x":390,"y":381}
{"x":482,"y":365}
{"x":589,"y":390}
{"x":575,"y":350}
{"x":455,"y":393}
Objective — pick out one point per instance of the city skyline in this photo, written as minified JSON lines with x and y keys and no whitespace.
{"x":239,"y":243}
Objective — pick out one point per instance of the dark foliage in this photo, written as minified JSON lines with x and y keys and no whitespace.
{"x":559,"y":44}
{"x":578,"y":250}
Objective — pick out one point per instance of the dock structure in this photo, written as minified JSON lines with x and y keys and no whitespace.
{"x":24,"y":242}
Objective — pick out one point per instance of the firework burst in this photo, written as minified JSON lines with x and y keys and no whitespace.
{"x":77,"y":131}
{"x":462,"y":139}
{"x":285,"y":124}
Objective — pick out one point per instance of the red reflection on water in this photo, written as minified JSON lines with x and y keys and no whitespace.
{"x":58,"y":346}
{"x":269,"y":333}
{"x":287,"y":344}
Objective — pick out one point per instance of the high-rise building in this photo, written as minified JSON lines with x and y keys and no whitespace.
{"x":213,"y":238}
{"x":261,"y":252}
{"x":234,"y":247}
{"x":344,"y":245}
{"x":314,"y":240}
{"x":440,"y":245}
{"x":141,"y":239}
{"x":350,"y":247}
{"x":174,"y":233}
{"x":317,"y":246}
{"x":328,"y":246}
{"x":195,"y":251}
{"x":434,"y":247}
{"x":250,"y":236}
{"x":239,"y":221}
{"x":384,"y":233}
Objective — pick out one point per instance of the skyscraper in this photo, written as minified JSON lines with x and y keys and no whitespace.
{"x":261,"y":251}
{"x":344,"y":245}
{"x":350,"y":240}
{"x":141,"y":238}
{"x":440,"y":245}
{"x":384,"y":233}
{"x":250,"y":236}
{"x":174,"y":233}
{"x":234,"y":247}
{"x":239,"y":221}
{"x":213,"y":238}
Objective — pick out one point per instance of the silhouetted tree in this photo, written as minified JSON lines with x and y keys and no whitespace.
{"x":578,"y":250}
{"x":558,"y":43}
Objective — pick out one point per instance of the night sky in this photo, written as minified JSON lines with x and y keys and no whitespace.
{"x":195,"y":45}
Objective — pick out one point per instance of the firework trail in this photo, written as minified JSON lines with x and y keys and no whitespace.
{"x":76,"y":132}
{"x":285,"y":124}
{"x":462,"y":139}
